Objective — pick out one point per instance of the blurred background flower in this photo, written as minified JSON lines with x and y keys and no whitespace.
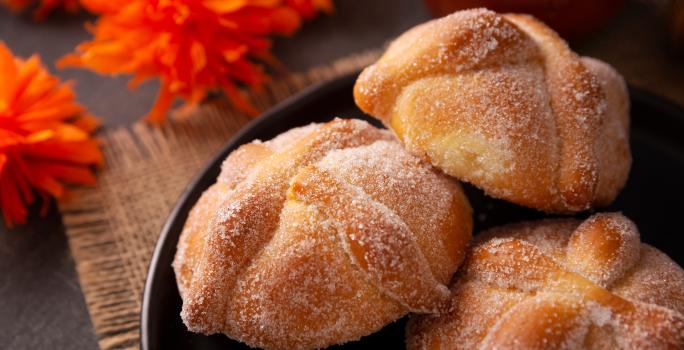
{"x":44,"y":137}
{"x":192,"y":46}
{"x":42,"y":8}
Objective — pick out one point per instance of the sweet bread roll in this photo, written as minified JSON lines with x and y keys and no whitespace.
{"x":500,"y":101}
{"x":320,"y":236}
{"x":560,"y":284}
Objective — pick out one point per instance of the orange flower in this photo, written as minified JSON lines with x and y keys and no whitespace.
{"x":44,"y":137}
{"x":44,"y":7}
{"x":192,"y":46}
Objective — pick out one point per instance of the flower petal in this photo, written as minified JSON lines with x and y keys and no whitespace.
{"x":8,"y":72}
{"x":192,"y":46}
{"x":44,"y":137}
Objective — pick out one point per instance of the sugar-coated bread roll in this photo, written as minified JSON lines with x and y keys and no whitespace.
{"x":320,"y":236}
{"x":560,"y":284}
{"x":500,"y":101}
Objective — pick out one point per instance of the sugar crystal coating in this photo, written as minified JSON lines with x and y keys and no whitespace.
{"x":501,"y":102}
{"x":320,"y":236}
{"x":560,"y":284}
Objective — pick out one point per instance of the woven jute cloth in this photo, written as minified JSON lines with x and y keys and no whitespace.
{"x":112,"y":228}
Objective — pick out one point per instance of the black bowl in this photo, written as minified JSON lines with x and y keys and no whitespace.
{"x":653,"y":198}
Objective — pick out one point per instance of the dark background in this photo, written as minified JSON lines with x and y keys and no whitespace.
{"x":41,"y":305}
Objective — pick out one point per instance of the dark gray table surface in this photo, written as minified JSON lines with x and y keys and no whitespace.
{"x":41,"y":305}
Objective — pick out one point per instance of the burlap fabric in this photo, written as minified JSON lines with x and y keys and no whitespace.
{"x":112,"y":228}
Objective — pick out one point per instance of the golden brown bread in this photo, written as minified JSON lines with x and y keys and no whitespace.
{"x":318,"y":237}
{"x":560,"y":284}
{"x":500,"y":101}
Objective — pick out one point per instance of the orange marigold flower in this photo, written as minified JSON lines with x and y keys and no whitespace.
{"x":44,"y":137}
{"x":43,"y":7}
{"x":192,"y":46}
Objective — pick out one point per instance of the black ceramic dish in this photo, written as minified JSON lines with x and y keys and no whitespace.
{"x":653,"y":198}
